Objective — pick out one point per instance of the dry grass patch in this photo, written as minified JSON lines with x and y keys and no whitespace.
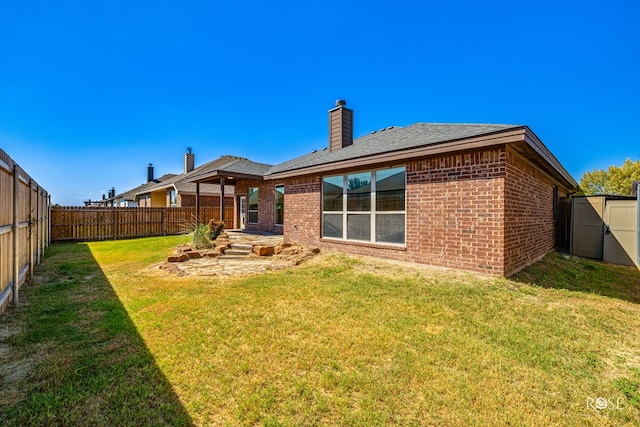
{"x":343,"y":340}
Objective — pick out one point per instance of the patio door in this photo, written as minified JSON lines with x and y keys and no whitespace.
{"x":242,"y":204}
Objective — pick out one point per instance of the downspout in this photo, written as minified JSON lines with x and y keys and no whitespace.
{"x":197,"y":203}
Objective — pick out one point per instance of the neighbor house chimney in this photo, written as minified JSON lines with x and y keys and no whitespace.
{"x":150,"y":172}
{"x":340,"y":126}
{"x":188,"y":160}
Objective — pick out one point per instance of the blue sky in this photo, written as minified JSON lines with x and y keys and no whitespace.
{"x":91,"y":92}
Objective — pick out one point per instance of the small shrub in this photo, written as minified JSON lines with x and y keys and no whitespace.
{"x":214,"y":229}
{"x":200,"y":237}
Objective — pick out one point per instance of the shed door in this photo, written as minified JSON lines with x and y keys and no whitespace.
{"x":620,"y":235}
{"x":587,"y":215}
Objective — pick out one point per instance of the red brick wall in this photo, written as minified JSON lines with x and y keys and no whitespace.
{"x":266,"y":204}
{"x":488,"y":211}
{"x":302,"y":202}
{"x":454,"y":214}
{"x":529,"y":232}
{"x":455,"y":211}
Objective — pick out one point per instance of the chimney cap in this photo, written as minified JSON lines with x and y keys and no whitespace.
{"x":189,"y":150}
{"x":341,"y":103}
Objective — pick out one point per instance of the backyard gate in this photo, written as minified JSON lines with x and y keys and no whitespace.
{"x":606,"y":228}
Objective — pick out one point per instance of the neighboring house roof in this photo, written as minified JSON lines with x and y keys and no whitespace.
{"x":131,"y":194}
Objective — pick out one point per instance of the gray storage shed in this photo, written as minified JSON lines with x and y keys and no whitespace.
{"x":607,"y":228}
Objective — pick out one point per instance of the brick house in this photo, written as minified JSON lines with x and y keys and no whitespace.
{"x":475,"y":197}
{"x":177,"y":191}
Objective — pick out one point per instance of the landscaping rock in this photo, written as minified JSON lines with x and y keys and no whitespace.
{"x":183,"y":248}
{"x":177,"y":258}
{"x":279,"y":248}
{"x":193,"y":254}
{"x":263,"y":250}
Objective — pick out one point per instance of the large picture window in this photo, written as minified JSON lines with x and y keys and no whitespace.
{"x":252,"y":197}
{"x":365,"y":206}
{"x":279,"y":204}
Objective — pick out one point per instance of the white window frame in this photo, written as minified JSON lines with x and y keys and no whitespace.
{"x":275,"y":205}
{"x":249,"y":211}
{"x":373,"y":212}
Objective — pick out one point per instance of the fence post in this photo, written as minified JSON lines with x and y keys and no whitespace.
{"x":16,"y":266}
{"x":30,"y":228}
{"x":48,"y":242}
{"x":164,"y":221}
{"x":113,"y":222}
{"x":40,"y":227}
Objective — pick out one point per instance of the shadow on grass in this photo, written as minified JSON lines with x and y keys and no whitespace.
{"x":560,"y":271}
{"x":75,"y":357}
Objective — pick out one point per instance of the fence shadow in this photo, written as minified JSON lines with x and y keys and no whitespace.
{"x":560,"y":271}
{"x":80,"y":357}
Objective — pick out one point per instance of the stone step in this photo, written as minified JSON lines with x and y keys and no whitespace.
{"x":225,"y":256}
{"x":238,"y":252}
{"x":242,"y":246}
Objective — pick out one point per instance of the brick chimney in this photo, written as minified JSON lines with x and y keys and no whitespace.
{"x":189,"y":160}
{"x":340,"y":126}
{"x":150,"y":172}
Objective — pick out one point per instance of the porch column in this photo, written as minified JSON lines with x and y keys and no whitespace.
{"x":197,"y":203}
{"x":222,"y":199}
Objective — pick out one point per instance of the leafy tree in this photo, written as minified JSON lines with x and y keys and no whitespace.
{"x":355,"y":183}
{"x":615,"y":180}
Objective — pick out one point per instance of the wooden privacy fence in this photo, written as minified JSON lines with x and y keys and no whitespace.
{"x":76,"y":223}
{"x":24,"y":227}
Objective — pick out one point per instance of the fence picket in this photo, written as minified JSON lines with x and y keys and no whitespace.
{"x":79,"y":223}
{"x":21,"y":217}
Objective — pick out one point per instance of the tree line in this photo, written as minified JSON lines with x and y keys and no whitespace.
{"x":616,"y":180}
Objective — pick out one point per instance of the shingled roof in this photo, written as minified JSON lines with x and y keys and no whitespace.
{"x":237,"y":167}
{"x":396,"y":144}
{"x":183,"y":183}
{"x":391,"y":139}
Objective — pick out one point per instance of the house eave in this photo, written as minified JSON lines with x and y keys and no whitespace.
{"x":539,"y":148}
{"x":484,"y":141}
{"x":214,"y":177}
{"x":521,"y":138}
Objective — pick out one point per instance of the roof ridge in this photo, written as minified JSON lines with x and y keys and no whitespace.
{"x":465,"y":124}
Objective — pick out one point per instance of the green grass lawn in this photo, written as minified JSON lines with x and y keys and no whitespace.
{"x":101,"y":339}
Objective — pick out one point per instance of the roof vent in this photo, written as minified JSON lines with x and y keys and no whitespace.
{"x":341,"y":103}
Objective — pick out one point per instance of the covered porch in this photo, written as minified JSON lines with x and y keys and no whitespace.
{"x":237,"y":172}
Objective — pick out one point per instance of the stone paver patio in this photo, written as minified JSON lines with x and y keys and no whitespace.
{"x":252,"y":264}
